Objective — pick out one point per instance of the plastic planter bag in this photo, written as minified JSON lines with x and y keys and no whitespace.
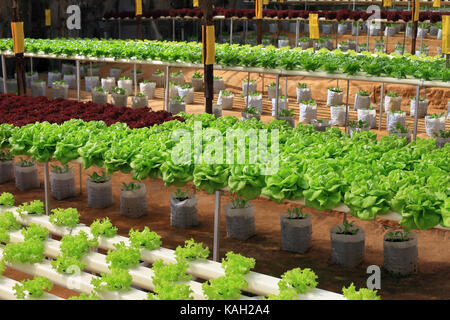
{"x":334,"y":98}
{"x":248,"y":87}
{"x":115,"y":73}
{"x":60,"y":91}
{"x":225,"y":101}
{"x":256,"y":102}
{"x":148,"y":89}
{"x":139,"y":102}
{"x":99,"y":194}
{"x":401,"y":258}
{"x":108,"y":83}
{"x":71,"y":81}
{"x":337,"y":115}
{"x":187,"y":94}
{"x":303,"y":94}
{"x":27,"y":178}
{"x":295,"y":234}
{"x":91,"y":82}
{"x":127,"y":85}
{"x":307,"y":113}
{"x":99,"y":97}
{"x":392,"y":103}
{"x":133,"y":204}
{"x":369,"y":116}
{"x":62,"y":185}
{"x":422,"y":110}
{"x":433,"y":125}
{"x":119,"y":100}
{"x":218,"y":85}
{"x":282,"y":105}
{"x":183,"y":214}
{"x":362,"y":102}
{"x":38,"y":89}
{"x":393,"y":118}
{"x":177,"y":107}
{"x":240,"y":222}
{"x":347,"y":250}
{"x":6,"y":171}
{"x":52,"y":77}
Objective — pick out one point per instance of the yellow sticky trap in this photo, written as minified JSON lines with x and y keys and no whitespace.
{"x":446,"y":34}
{"x":259,"y":9}
{"x":209,"y":45}
{"x":138,"y":7}
{"x":416,"y":10}
{"x":18,"y":37}
{"x":314,"y":26}
{"x":265,"y":2}
{"x":437,"y":3}
{"x":387,"y":3}
{"x":195,"y":3}
{"x":48,"y":17}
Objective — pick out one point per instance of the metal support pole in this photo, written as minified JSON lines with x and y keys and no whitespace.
{"x":357,"y":34}
{"x":381,"y":106}
{"x":221,"y":31}
{"x":31,"y":65}
{"x":416,"y":113}
{"x":5,"y":89}
{"x":245,"y":31}
{"x":297,"y":32}
{"x":248,"y":89}
{"x":262,"y":87}
{"x":277,"y":94}
{"x":120,"y":29}
{"x":166,"y":91}
{"x":368,"y":33}
{"x":346,"y":106}
{"x":78,"y":80}
{"x":80,"y":167}
{"x":46,"y":189}
{"x":421,"y":38}
{"x":217,"y":226}
{"x":404,"y":38}
{"x":231,"y":31}
{"x":135,"y":80}
{"x":182,"y":31}
{"x":173,"y":29}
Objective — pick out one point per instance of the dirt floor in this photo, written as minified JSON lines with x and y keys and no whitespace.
{"x":431,"y":282}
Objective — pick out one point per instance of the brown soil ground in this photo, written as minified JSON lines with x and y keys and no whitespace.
{"x":434,"y":245}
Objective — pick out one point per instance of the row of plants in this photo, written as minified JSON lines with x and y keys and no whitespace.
{"x":170,"y":280}
{"x":23,"y":110}
{"x":350,"y":62}
{"x":340,"y":15}
{"x":326,"y":168}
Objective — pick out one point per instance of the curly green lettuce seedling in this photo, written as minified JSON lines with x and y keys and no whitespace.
{"x":7,"y":199}
{"x":191,"y":251}
{"x":171,"y":291}
{"x":103,"y":228}
{"x":31,"y":251}
{"x":35,"y":232}
{"x":4,"y":236}
{"x":65,"y":217}
{"x":172,"y":272}
{"x":145,"y":239}
{"x":288,"y":294}
{"x":117,"y":280}
{"x":32,"y":288}
{"x":225,"y":288}
{"x":2,"y":267}
{"x":362,"y":294}
{"x":35,"y":207}
{"x":9,"y":222}
{"x":300,"y":280}
{"x":237,"y":264}
{"x":123,"y":257}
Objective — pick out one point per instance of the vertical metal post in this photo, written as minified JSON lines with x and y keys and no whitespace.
{"x":135,"y":80}
{"x":404,"y":37}
{"x":277,"y":94}
{"x":80,"y":167}
{"x":4,"y":74}
{"x":421,"y":38}
{"x":173,"y":29}
{"x":262,"y":87}
{"x":217,"y":226}
{"x":381,"y":106}
{"x":221,"y":30}
{"x":182,"y":31}
{"x":297,"y":32}
{"x":248,"y":89}
{"x":245,"y":31}
{"x":346,"y":105}
{"x":78,"y":80}
{"x":416,"y":113}
{"x":31,"y":65}
{"x":231,"y":31}
{"x":368,"y":34}
{"x":46,"y":189}
{"x":166,"y":91}
{"x":357,"y":34}
{"x":120,"y":29}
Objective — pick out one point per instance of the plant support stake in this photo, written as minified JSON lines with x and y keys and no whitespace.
{"x":166,"y":91}
{"x":46,"y":191}
{"x":346,"y":106}
{"x":78,"y":80}
{"x":4,"y":74}
{"x":217,"y":226}
{"x":416,"y":113}
{"x":381,"y":106}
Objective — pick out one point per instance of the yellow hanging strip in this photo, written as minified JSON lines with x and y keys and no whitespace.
{"x":265,"y":2}
{"x":437,"y":3}
{"x":209,"y":45}
{"x":259,"y":9}
{"x":387,"y":3}
{"x":314,"y":26}
{"x":446,"y":34}
{"x":416,"y":10}
{"x":195,"y":3}
{"x":18,"y":37}
{"x":138,"y":8}
{"x":48,"y":17}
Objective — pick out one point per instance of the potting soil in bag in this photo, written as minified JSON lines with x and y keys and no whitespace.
{"x":303,"y":94}
{"x":6,"y":171}
{"x":433,"y":125}
{"x":133,"y":204}
{"x":27,"y":178}
{"x":393,"y":119}
{"x":183,"y":214}
{"x":334,"y":98}
{"x":99,"y":194}
{"x":307,"y":113}
{"x":337,"y":116}
{"x":240,"y":223}
{"x":369,"y":116}
{"x":62,"y":185}
{"x":422,"y":110}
